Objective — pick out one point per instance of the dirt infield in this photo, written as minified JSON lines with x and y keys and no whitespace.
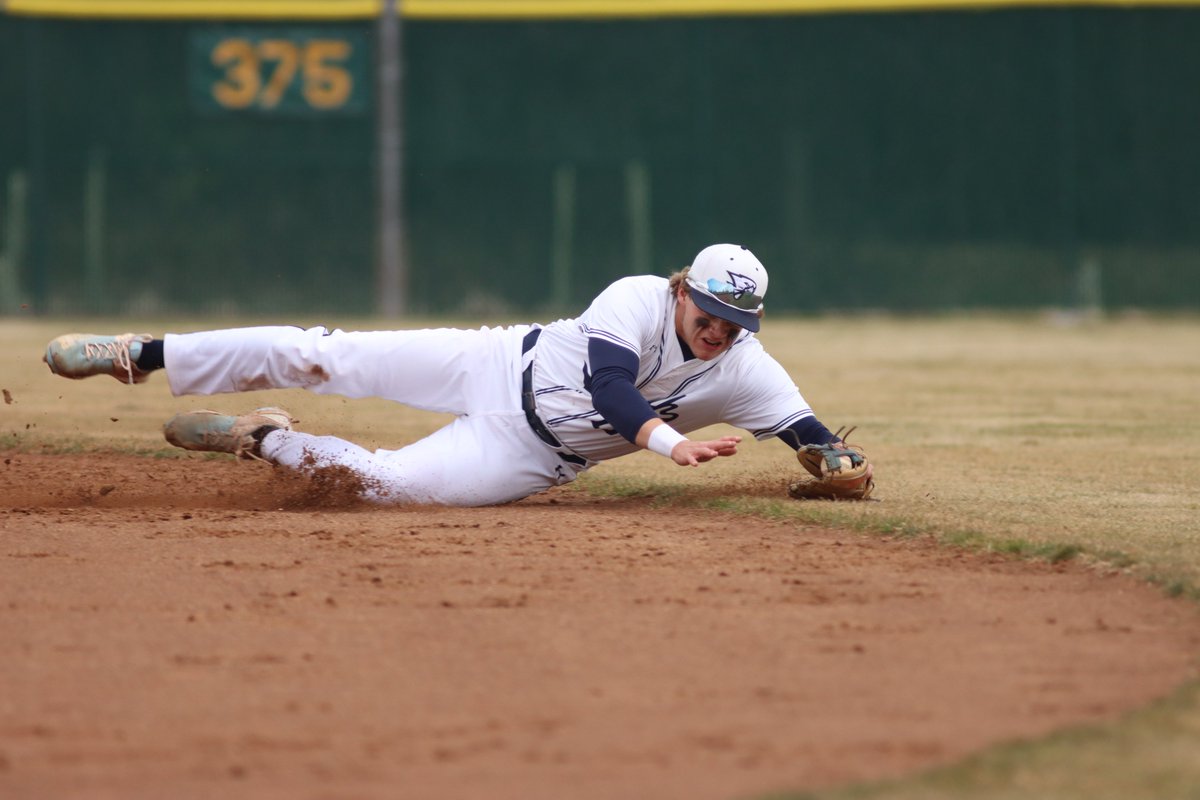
{"x":201,"y":628}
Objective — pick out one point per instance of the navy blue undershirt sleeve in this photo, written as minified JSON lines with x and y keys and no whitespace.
{"x":806,"y":431}
{"x":151,"y":356}
{"x":614,"y":371}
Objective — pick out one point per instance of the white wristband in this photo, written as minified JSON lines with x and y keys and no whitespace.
{"x":663,"y":440}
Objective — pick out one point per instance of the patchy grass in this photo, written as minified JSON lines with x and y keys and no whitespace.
{"x":1147,"y":754}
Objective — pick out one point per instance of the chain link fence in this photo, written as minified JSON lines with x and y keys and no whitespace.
{"x":909,"y":161}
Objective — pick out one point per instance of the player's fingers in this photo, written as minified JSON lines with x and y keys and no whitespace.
{"x":693,"y":453}
{"x":725,"y":446}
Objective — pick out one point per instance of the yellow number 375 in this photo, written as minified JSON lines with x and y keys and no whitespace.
{"x":259,"y":73}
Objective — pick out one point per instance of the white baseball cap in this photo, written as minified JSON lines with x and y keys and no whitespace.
{"x":728,"y":282}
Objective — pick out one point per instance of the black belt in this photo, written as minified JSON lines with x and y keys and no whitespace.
{"x":530,"y":407}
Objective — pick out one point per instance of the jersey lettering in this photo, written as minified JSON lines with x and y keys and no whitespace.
{"x":666,"y":409}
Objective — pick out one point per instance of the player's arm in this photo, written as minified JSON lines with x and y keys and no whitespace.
{"x":806,"y":430}
{"x":616,"y":398}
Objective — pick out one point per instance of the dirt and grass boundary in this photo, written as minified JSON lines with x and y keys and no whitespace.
{"x":1019,"y":437}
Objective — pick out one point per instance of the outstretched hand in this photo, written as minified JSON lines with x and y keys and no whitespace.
{"x":691,"y":454}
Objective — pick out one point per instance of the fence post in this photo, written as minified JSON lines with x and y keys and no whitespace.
{"x":637,"y":199}
{"x":563,"y":233}
{"x":392,"y":272}
{"x":93,"y":230}
{"x":13,"y":254}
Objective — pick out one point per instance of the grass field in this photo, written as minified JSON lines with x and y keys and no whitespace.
{"x":1039,"y":435}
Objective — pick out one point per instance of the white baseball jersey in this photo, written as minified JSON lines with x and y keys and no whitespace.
{"x":743,"y":386}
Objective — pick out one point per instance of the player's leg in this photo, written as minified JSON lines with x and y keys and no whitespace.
{"x":448,"y":370}
{"x":473,"y":461}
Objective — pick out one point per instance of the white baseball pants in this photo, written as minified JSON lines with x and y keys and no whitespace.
{"x":488,"y":455}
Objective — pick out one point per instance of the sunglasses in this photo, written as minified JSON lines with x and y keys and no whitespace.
{"x":731,"y":295}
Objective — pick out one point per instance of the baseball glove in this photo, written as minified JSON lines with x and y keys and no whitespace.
{"x":839,"y":471}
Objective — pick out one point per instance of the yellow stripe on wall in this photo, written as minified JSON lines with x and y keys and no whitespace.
{"x":514,"y":9}
{"x":197,"y":9}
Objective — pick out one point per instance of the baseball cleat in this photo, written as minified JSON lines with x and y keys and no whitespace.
{"x":82,"y":355}
{"x":213,"y":432}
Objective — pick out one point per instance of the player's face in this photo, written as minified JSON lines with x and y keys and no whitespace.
{"x":706,"y":335}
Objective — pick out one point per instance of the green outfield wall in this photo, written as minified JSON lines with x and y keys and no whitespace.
{"x":923,"y":159}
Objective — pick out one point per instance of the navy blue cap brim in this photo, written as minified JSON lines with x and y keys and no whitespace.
{"x":748,"y":320}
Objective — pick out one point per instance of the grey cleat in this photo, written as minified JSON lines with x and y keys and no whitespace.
{"x":213,"y":432}
{"x":82,"y":355}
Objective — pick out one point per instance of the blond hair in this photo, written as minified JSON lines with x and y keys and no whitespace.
{"x":676,"y":280}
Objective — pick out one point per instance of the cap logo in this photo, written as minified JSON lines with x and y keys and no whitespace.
{"x":738,"y":292}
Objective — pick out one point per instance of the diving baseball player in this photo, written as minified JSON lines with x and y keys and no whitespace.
{"x":649,"y":361}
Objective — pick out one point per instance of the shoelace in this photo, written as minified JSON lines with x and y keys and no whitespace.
{"x":117,"y":350}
